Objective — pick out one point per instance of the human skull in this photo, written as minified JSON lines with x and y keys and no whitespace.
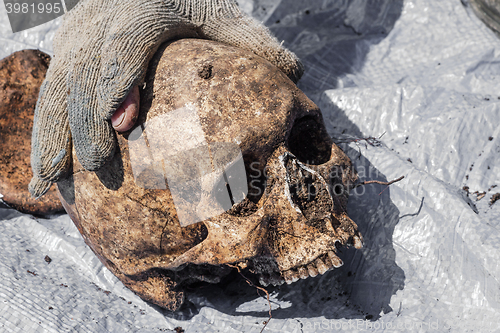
{"x":284,"y":222}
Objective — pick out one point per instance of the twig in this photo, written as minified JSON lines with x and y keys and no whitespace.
{"x":372,"y":141}
{"x":259,"y":288}
{"x":379,"y":182}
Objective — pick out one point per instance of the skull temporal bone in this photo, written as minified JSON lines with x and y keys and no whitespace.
{"x":293,"y":218}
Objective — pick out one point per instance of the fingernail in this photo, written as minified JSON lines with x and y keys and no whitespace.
{"x":124,"y":118}
{"x":117,"y":117}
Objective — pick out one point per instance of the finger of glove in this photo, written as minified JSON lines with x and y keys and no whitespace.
{"x":38,"y":187}
{"x":111,"y":57}
{"x":245,"y":32}
{"x":93,"y":136}
{"x":51,"y":138}
{"x":131,"y":42}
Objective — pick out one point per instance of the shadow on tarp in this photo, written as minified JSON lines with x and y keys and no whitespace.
{"x":331,"y":37}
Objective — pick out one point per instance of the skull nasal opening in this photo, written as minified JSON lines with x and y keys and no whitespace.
{"x":309,"y":141}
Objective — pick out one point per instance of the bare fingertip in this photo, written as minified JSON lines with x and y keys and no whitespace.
{"x":126,"y":115}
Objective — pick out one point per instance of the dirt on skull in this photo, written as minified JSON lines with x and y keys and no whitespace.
{"x":230,"y":164}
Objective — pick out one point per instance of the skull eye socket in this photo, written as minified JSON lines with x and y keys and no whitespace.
{"x":309,"y":141}
{"x":256,"y":185}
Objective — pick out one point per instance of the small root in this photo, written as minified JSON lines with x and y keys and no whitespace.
{"x":258,"y":288}
{"x":380,"y":183}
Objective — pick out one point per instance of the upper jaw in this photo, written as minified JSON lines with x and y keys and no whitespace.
{"x":322,"y":264}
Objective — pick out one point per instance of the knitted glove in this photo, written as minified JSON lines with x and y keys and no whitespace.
{"x":102,"y":51}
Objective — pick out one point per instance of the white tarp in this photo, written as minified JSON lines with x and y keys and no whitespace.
{"x":408,"y":88}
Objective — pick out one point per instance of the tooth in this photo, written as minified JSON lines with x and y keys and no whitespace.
{"x":287,"y":275}
{"x":357,"y":242}
{"x":312,"y":270}
{"x":264,"y":280}
{"x":335,"y":260}
{"x":276,"y":280}
{"x":327,"y":262}
{"x":303,"y":272}
{"x":290,"y":276}
{"x":320,"y":265}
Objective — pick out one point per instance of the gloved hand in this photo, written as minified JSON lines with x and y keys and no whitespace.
{"x":101,"y":52}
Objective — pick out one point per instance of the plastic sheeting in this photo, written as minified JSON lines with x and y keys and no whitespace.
{"x":407,"y":88}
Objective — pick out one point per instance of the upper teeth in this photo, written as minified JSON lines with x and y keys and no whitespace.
{"x":320,"y":265}
{"x":336,"y":261}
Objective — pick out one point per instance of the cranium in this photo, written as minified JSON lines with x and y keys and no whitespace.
{"x":288,"y":225}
